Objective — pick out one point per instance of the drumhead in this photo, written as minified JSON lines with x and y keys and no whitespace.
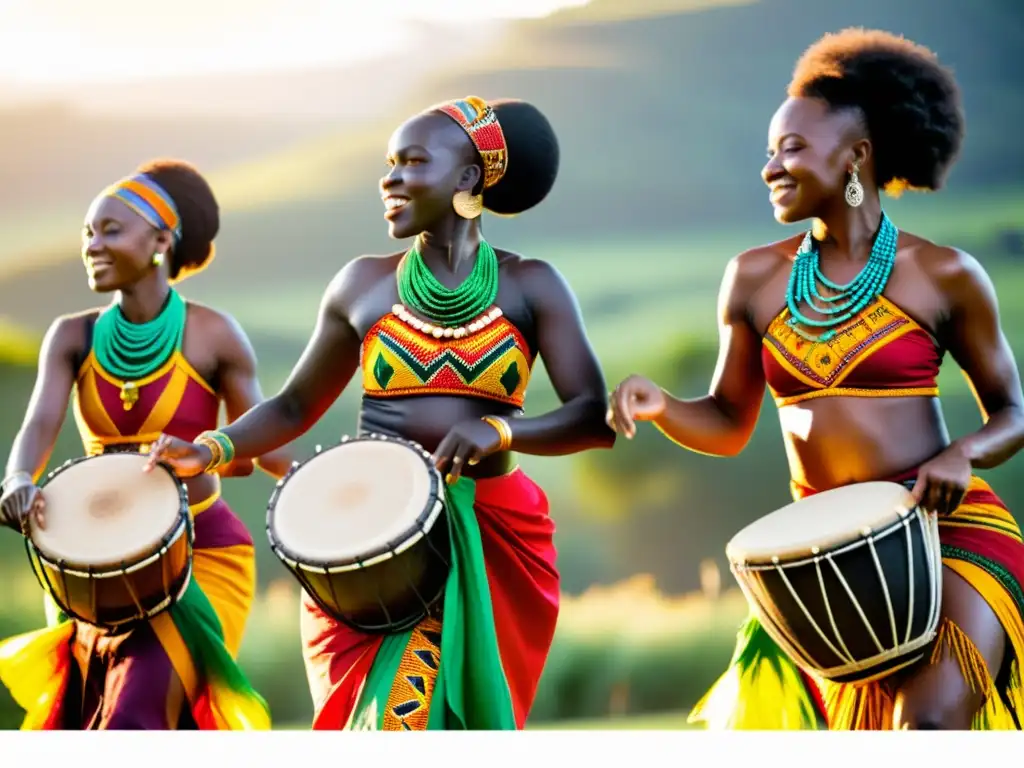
{"x":350,"y":500}
{"x":105,"y":509}
{"x":825,"y":520}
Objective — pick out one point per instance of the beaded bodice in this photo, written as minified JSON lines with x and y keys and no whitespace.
{"x":488,"y":358}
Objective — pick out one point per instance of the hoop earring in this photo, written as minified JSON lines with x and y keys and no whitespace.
{"x":854,"y":190}
{"x":158,"y":259}
{"x":468,"y":205}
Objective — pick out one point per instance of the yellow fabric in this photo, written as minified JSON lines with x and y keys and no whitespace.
{"x":34,"y":667}
{"x":762,"y":690}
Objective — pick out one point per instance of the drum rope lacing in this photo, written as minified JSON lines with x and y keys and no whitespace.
{"x":884,"y":655}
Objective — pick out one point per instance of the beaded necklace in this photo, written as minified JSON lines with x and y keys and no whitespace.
{"x":131,"y":351}
{"x":849,"y":299}
{"x":419,"y":289}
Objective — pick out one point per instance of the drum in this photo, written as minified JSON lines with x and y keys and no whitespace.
{"x":847,"y":582}
{"x":117,"y":547}
{"x":362,"y":525}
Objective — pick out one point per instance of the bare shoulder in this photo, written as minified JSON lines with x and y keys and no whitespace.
{"x":750,"y":271}
{"x":755,"y":265}
{"x":357,"y":277}
{"x":216,"y":325}
{"x":536,"y":277}
{"x":67,"y":333}
{"x":955,"y":273}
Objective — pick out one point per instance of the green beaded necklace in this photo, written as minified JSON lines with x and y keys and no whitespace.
{"x":420,"y":290}
{"x":131,"y":351}
{"x":849,"y":299}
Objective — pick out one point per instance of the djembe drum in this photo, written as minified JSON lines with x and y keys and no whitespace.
{"x":117,"y":546}
{"x":847,"y":582}
{"x":363,"y":528}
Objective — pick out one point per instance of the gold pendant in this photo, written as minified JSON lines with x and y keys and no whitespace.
{"x":129,"y":395}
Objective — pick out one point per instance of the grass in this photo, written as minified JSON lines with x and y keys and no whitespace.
{"x":657,"y":721}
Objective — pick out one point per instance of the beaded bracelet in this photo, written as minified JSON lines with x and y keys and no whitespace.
{"x":504,"y":431}
{"x":222,"y":450}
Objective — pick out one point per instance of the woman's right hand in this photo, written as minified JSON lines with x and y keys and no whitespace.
{"x":635,"y":399}
{"x":21,"y":498}
{"x":185,"y":458}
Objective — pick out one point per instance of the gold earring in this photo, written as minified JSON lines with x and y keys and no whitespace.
{"x":468,"y":205}
{"x":158,"y":259}
{"x":854,"y":190}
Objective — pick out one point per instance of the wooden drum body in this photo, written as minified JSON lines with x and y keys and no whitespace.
{"x":362,"y":526}
{"x":847,"y":582}
{"x":117,"y":547}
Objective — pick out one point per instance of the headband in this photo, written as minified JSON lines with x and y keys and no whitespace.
{"x":149,"y":200}
{"x":477,"y":118}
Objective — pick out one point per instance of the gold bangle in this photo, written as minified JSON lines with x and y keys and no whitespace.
{"x":503,"y":429}
{"x":216,"y":452}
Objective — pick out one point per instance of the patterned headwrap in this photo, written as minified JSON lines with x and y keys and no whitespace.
{"x":149,"y":200}
{"x":481,"y":124}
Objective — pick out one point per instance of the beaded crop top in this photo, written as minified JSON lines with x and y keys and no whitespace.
{"x":881,"y":352}
{"x":112,"y":414}
{"x":488,"y":358}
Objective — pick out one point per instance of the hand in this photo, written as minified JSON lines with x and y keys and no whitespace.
{"x":635,"y":399}
{"x":185,"y":458}
{"x":21,"y":500}
{"x":942,"y":481}
{"x":467,"y":442}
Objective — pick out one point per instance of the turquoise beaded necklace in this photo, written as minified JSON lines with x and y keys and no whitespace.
{"x":131,"y":351}
{"x":419,"y":289}
{"x":848,"y":299}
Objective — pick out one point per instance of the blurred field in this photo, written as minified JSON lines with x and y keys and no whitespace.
{"x":661,"y":107}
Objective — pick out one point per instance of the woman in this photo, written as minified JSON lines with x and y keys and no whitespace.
{"x":445,"y":166}
{"x":868,"y":111}
{"x":149,"y":363}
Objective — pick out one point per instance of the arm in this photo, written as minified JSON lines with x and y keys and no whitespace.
{"x":48,"y":405}
{"x":240,"y":387}
{"x":572,"y":366}
{"x":721,"y":422}
{"x":323,"y":371}
{"x":977,"y":343}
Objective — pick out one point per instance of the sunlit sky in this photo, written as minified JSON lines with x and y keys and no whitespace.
{"x":50,"y":42}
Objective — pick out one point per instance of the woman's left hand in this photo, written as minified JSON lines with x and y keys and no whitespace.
{"x":466,"y":443}
{"x":942,"y":481}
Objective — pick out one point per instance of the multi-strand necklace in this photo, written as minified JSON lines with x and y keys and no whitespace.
{"x":846,"y":300}
{"x":450,"y":309}
{"x":131,"y":351}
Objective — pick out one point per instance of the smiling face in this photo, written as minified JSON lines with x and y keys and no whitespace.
{"x":811,"y":150}
{"x":118,"y":245}
{"x":430,"y":158}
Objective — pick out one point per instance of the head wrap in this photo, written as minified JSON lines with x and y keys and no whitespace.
{"x":480,"y":123}
{"x":149,"y":200}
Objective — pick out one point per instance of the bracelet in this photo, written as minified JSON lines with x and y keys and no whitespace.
{"x":8,"y":481}
{"x":222,"y":450}
{"x":504,"y":431}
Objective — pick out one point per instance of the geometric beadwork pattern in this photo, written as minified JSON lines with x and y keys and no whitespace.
{"x":493,"y":362}
{"x":408,"y":704}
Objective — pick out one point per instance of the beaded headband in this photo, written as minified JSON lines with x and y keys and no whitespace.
{"x":477,"y":118}
{"x":149,"y":200}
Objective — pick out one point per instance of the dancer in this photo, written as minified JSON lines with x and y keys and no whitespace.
{"x":403,"y":313}
{"x":847,"y":324}
{"x":149,"y":363}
